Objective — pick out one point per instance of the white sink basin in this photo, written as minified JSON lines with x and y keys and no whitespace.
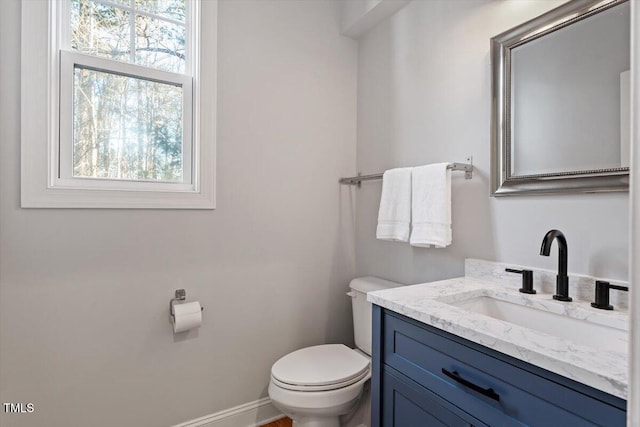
{"x":580,"y":330}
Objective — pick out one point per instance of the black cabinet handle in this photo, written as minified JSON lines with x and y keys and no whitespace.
{"x":489,"y":392}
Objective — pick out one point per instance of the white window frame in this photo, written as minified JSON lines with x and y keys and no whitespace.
{"x":46,"y":115}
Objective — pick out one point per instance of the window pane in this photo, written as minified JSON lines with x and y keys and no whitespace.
{"x":126,"y":128}
{"x":107,"y":31}
{"x":173,"y":9}
{"x":160,"y":44}
{"x":100,"y":30}
{"x":122,"y":2}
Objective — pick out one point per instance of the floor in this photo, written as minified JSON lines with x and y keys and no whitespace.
{"x":284,"y":422}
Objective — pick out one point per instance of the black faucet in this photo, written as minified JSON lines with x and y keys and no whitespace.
{"x":562,"y":280}
{"x":527,"y":280}
{"x":602,"y":294}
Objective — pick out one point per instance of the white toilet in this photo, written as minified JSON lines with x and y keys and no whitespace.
{"x":315,"y":386}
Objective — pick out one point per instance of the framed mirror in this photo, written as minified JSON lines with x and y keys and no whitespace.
{"x":561,"y":101}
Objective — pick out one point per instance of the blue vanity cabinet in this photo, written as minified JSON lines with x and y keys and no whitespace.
{"x":410,"y":405}
{"x":422,"y":376}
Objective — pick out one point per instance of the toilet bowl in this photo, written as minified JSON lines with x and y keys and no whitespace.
{"x":316,"y":386}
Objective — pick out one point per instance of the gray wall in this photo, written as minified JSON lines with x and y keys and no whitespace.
{"x":84,"y":293}
{"x":423,"y":97}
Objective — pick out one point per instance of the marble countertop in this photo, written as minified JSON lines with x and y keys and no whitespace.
{"x":430,"y":303}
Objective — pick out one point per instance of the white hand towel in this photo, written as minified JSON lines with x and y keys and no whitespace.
{"x":431,"y":205}
{"x":394,"y":215}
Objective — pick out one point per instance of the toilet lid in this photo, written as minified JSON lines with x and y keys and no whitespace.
{"x":322,"y":365}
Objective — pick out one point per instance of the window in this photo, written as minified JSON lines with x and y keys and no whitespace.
{"x":122,"y":99}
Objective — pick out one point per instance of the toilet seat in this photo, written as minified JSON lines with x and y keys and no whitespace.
{"x":320,"y":368}
{"x":327,"y":387}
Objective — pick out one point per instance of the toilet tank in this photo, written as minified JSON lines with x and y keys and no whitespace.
{"x":362,"y":308}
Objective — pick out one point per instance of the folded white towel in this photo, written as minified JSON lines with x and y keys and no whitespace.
{"x":394,"y":215}
{"x":431,"y":205}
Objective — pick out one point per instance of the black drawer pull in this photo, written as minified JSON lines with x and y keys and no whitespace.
{"x":489,"y":392}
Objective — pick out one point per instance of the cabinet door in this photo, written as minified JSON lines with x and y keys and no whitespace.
{"x":429,"y":356}
{"x":407,"y":404}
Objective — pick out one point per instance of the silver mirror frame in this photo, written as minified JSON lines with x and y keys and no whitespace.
{"x":502,"y":182}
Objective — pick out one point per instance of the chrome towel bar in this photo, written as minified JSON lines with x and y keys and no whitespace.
{"x":466,"y":167}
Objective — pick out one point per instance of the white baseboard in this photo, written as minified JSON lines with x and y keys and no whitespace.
{"x":252,"y":414}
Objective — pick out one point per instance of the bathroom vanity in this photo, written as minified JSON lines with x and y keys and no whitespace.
{"x":449,"y":353}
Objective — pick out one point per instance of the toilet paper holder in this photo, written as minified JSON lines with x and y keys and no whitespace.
{"x":180,"y":295}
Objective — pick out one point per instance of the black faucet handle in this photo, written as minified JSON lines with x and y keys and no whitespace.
{"x":619,"y":288}
{"x":527,"y":280}
{"x":602,"y":294}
